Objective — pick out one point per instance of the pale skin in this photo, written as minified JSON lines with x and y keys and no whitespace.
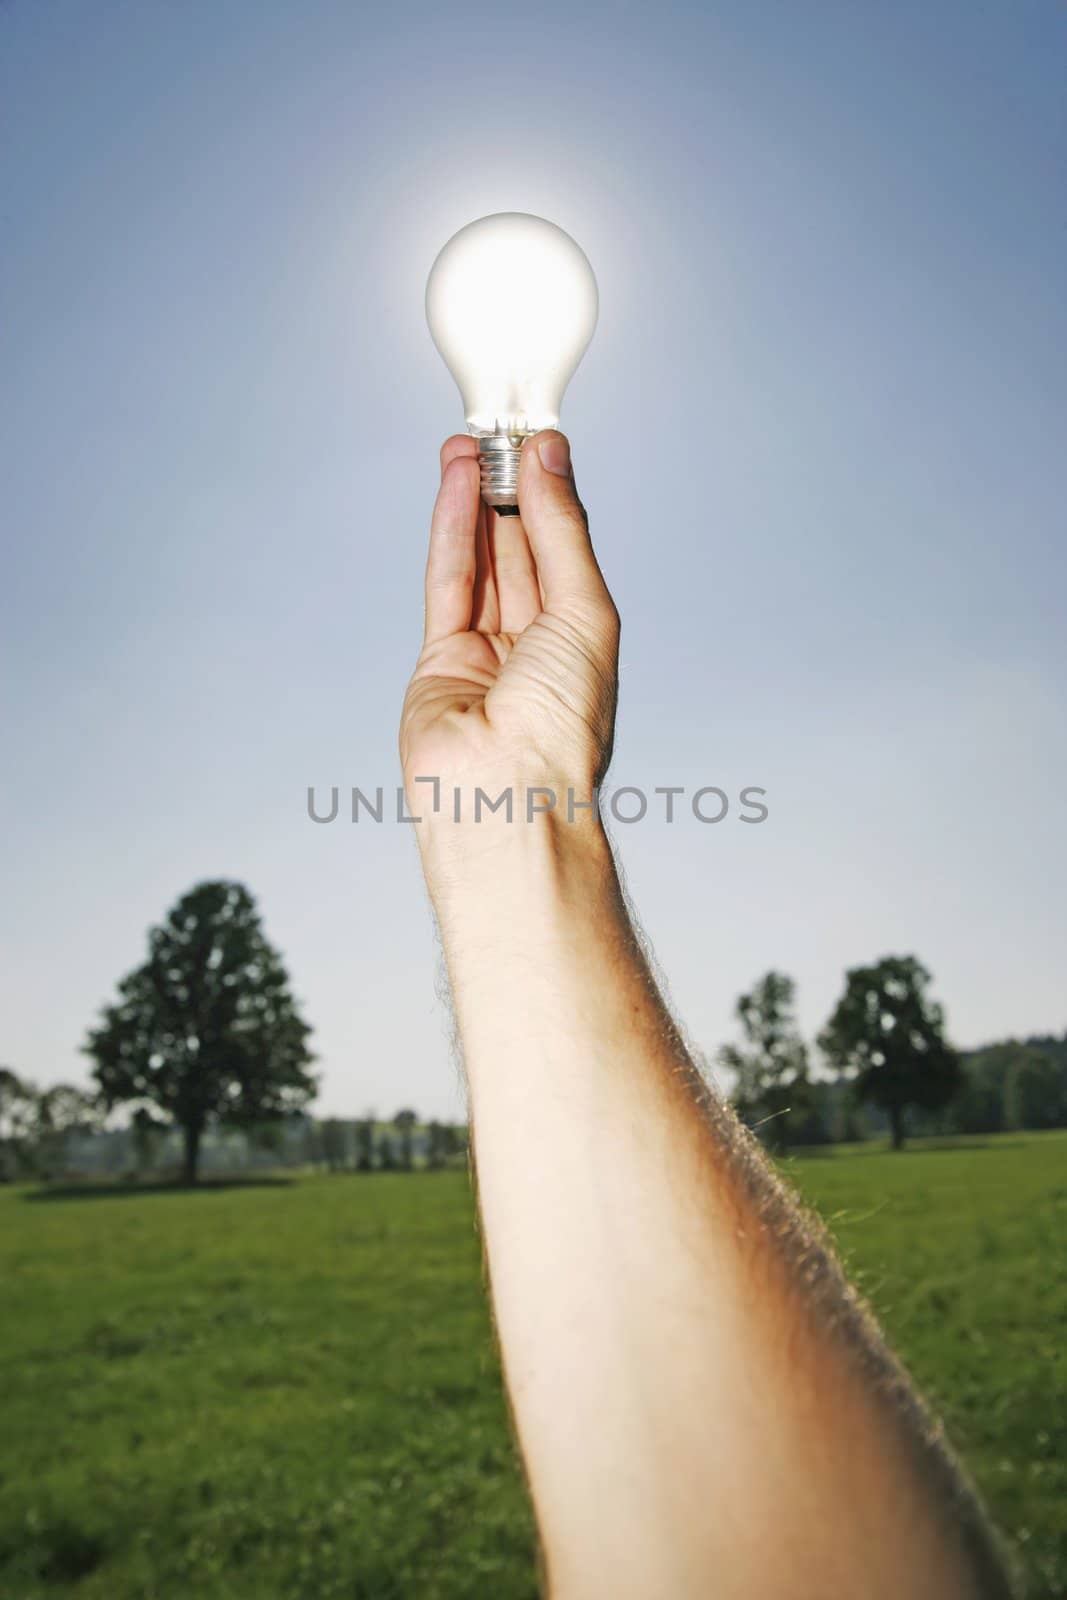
{"x":704,"y":1407}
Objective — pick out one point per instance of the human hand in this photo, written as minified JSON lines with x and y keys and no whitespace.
{"x":516,"y":680}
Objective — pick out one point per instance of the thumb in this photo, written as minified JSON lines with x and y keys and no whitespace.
{"x":555,"y":521}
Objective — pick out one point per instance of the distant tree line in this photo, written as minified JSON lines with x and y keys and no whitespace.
{"x":887,"y":1066}
{"x":204,"y":1045}
{"x":36,"y":1124}
{"x":65,"y":1133}
{"x":204,"y":1049}
{"x":404,"y":1145}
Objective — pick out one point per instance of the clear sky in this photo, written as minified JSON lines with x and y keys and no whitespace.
{"x":819,"y":432}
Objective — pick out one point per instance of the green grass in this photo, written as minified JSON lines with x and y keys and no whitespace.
{"x":291,"y":1391}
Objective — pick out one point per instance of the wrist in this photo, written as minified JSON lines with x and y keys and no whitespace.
{"x":490,"y":879}
{"x":537,"y":940}
{"x":472,"y":813}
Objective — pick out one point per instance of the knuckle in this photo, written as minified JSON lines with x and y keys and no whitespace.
{"x":610,"y":623}
{"x":596,"y":616}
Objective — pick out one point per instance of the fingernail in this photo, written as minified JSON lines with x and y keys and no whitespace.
{"x":555,"y":456}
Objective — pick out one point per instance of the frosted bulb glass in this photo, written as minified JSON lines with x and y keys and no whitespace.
{"x":511,"y":303}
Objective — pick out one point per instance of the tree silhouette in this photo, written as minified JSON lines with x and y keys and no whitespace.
{"x":1035,"y":1091}
{"x":888,"y":1035}
{"x":456,"y":1139}
{"x":334,"y":1144}
{"x":405,"y":1122}
{"x":436,"y":1144}
{"x":18,"y":1109}
{"x":61,"y":1110}
{"x":772,"y":1065}
{"x":147,"y":1133}
{"x":365,"y":1145}
{"x":207,"y":1027}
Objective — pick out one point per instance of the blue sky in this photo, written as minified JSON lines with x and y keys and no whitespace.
{"x":816,"y":431}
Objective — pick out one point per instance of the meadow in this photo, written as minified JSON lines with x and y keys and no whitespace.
{"x":290,"y":1389}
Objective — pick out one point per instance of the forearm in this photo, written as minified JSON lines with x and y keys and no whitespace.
{"x":701,"y":1404}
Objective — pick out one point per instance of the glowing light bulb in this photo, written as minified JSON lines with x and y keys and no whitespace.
{"x":511,"y":303}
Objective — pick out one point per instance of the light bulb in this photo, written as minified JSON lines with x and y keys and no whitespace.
{"x":511,"y":303}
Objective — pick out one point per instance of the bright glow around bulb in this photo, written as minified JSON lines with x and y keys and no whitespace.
{"x":512,"y":304}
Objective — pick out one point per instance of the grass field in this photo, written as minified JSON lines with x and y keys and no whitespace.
{"x":290,"y":1390}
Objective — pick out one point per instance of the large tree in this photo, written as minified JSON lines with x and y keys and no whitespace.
{"x":207,"y":1028}
{"x":888,"y":1035}
{"x":771,"y":1066}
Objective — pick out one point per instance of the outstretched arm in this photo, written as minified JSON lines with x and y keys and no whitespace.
{"x":703,"y":1405}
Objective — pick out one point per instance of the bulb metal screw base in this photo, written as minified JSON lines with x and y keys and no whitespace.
{"x":498,"y":458}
